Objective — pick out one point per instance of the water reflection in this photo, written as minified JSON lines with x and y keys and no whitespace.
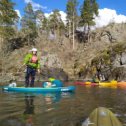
{"x":52,"y":97}
{"x":29,"y":104}
{"x":47,"y":99}
{"x":59,"y":109}
{"x":29,"y":109}
{"x":56,"y":97}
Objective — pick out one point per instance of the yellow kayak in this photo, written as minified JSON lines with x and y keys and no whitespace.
{"x":105,"y":84}
{"x":108,"y":84}
{"x":102,"y":117}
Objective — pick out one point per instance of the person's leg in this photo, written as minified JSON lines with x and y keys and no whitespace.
{"x":27,"y":76}
{"x":33,"y":73}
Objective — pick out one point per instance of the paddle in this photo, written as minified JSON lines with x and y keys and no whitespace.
{"x":39,"y":76}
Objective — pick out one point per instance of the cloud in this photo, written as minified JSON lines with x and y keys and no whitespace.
{"x":18,"y":13}
{"x":36,"y":6}
{"x":27,"y":1}
{"x":107,"y":16}
{"x":63,"y":15}
{"x":48,"y":14}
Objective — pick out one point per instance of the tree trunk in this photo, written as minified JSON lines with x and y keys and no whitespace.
{"x":73,"y":32}
{"x":84,"y":33}
{"x":73,"y":36}
{"x":58,"y":34}
{"x":1,"y":49}
{"x":69,"y":29}
{"x":88,"y":33}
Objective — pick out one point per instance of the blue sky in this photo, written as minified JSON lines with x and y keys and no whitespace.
{"x":49,"y":5}
{"x":118,"y":5}
{"x":109,"y":10}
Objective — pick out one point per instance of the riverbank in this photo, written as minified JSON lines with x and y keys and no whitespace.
{"x":60,"y":61}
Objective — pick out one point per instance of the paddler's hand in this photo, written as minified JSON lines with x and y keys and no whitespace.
{"x":38,"y":71}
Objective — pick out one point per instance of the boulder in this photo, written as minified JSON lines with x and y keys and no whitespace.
{"x":123,"y":58}
{"x":56,"y":73}
{"x":116,"y":61}
{"x":51,"y":60}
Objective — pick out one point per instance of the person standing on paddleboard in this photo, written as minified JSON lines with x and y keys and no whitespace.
{"x":32,"y":63}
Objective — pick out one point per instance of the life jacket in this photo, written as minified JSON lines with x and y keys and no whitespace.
{"x":34,"y":59}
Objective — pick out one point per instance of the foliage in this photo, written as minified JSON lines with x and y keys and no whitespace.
{"x":106,"y":55}
{"x":72,"y":16}
{"x":8,"y":15}
{"x":55,"y":21}
{"x":39,"y":18}
{"x":8,"y":18}
{"x":71,"y":9}
{"x":103,"y":58}
{"x":119,"y":48}
{"x":28,"y":23}
{"x":88,"y":11}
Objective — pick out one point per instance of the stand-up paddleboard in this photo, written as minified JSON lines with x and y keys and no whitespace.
{"x":102,"y":117}
{"x":39,"y":89}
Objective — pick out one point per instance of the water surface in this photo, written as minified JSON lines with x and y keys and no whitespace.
{"x":65,"y":109}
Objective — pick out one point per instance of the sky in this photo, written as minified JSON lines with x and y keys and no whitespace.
{"x":109,"y":10}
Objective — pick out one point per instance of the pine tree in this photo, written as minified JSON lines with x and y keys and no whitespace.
{"x":39,"y":17}
{"x":88,"y":11}
{"x":45,"y":24}
{"x":8,"y":18}
{"x":28,"y":23}
{"x":55,"y":22}
{"x":39,"y":20}
{"x":71,"y":10}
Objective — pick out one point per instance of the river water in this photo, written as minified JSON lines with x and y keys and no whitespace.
{"x":64,"y":109}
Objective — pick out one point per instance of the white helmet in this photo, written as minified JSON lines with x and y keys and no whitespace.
{"x":34,"y":50}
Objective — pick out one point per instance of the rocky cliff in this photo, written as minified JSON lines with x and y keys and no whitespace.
{"x":106,"y":51}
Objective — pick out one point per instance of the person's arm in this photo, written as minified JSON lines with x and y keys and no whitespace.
{"x":26,"y":59}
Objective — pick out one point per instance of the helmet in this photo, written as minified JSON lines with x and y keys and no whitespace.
{"x":51,"y":79}
{"x":34,"y":50}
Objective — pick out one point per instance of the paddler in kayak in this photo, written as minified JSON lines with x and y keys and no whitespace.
{"x":56,"y":82}
{"x":32,"y":63}
{"x":53,"y":83}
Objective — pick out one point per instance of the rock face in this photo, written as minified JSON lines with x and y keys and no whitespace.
{"x":111,"y":64}
{"x":123,"y":58}
{"x":116,"y":60}
{"x":57,"y":73}
{"x":52,"y":67}
{"x":104,"y":51}
{"x":51,"y":60}
{"x":118,"y":73}
{"x":112,"y":33}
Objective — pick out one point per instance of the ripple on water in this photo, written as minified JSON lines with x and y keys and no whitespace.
{"x":59,"y":109}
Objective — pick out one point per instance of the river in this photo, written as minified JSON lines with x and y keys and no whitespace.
{"x":60,"y":109}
